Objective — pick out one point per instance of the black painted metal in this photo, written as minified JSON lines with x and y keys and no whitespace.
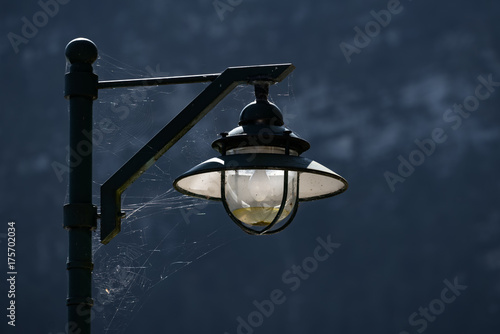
{"x":261,"y":124}
{"x":185,"y":79}
{"x":112,"y":189}
{"x":80,"y":217}
{"x":261,"y":111}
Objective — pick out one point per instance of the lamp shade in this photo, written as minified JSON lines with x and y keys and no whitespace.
{"x":315,"y":181}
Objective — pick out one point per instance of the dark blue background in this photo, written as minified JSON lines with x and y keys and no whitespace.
{"x":396,"y":247}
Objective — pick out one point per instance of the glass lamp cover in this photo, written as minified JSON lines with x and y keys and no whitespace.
{"x":254,"y":196}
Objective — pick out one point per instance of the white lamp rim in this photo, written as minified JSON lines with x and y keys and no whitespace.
{"x":305,"y":167}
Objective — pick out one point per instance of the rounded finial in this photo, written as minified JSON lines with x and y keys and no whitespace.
{"x":81,"y":50}
{"x":261,"y":111}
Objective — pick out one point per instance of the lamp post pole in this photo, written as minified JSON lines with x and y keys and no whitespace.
{"x":80,"y":216}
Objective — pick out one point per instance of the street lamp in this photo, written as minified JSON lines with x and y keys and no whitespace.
{"x":260,"y":176}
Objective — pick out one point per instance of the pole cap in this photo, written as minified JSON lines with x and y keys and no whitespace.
{"x":81,"y":50}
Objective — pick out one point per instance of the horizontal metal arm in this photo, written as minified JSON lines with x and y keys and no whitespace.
{"x":184,"y":79}
{"x":222,"y":85}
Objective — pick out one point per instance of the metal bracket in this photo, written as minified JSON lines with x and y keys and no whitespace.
{"x":80,"y":215}
{"x":221,"y":86}
{"x":80,"y":84}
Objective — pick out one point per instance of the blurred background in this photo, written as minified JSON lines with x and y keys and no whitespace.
{"x":400,"y":98}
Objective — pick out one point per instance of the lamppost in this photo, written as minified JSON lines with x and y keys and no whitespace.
{"x":260,"y":176}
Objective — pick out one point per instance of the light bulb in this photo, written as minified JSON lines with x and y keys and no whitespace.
{"x":254,"y":196}
{"x":259,"y":185}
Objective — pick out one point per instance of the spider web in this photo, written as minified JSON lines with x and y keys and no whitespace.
{"x":163,"y":232}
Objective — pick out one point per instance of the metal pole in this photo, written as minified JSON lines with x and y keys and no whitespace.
{"x":80,"y":216}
